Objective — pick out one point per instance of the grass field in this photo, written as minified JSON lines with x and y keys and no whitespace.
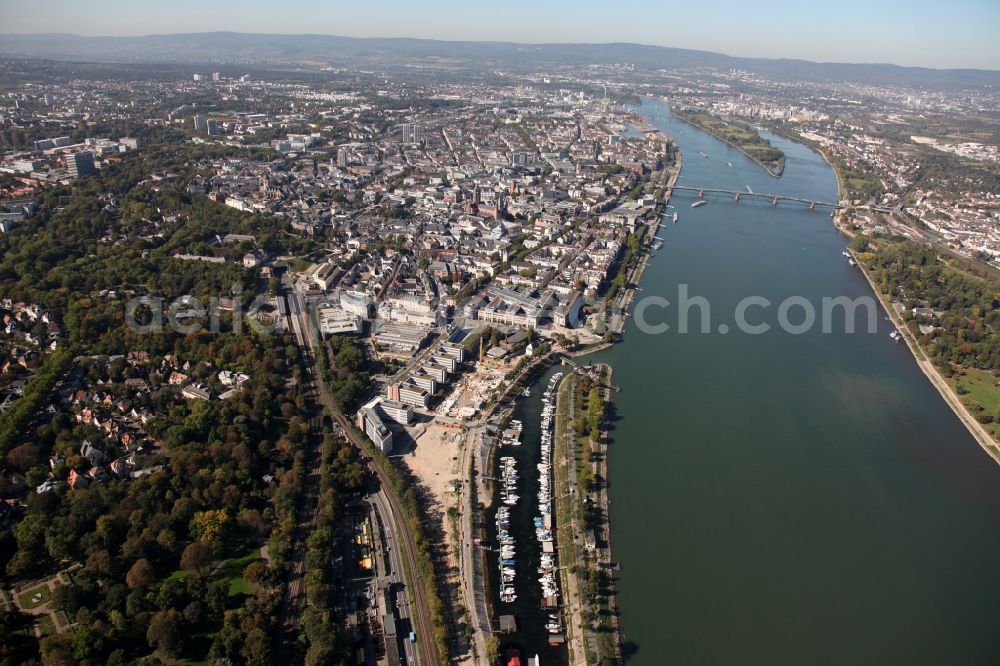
{"x":232,"y":571}
{"x":28,"y":601}
{"x":298,"y":265}
{"x":979,"y":388}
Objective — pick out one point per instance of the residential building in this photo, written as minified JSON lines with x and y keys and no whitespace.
{"x":80,"y":164}
{"x":409,"y":133}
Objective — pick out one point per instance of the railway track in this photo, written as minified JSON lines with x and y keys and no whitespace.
{"x":294,"y":599}
{"x":422,"y":623}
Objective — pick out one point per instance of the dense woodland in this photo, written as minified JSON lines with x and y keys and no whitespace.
{"x":165,"y":565}
{"x":964,"y":317}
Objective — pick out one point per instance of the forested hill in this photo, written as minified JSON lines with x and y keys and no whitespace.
{"x":262,"y":49}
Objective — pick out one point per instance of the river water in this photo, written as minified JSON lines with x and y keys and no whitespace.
{"x":779,"y":498}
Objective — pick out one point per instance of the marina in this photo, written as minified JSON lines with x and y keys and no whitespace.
{"x":521,"y":548}
{"x":543,"y":523}
{"x":506,"y":560}
{"x":511,"y":436}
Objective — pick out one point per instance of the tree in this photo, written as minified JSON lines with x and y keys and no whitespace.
{"x":492,"y":648}
{"x":140,"y":575}
{"x":30,"y":535}
{"x":164,"y":633}
{"x":256,"y":573}
{"x":100,"y":562}
{"x":209,"y":526}
{"x":860,"y":243}
{"x":595,"y":413}
{"x":23,"y":457}
{"x":196,"y":557}
{"x":194,"y":612}
{"x":66,"y":598}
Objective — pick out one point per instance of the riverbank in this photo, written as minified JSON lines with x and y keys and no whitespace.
{"x":582,"y":531}
{"x":937,"y":380}
{"x":729,"y":143}
{"x":634,"y":278}
{"x":950,"y":396}
{"x":610,"y":641}
{"x":566,"y":534}
{"x":979,"y":433}
{"x":879,"y":470}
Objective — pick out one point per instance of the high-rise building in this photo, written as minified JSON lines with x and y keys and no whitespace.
{"x":409,"y":133}
{"x":199,"y":123}
{"x":49,"y":99}
{"x":343,"y":156}
{"x":212,"y":127}
{"x":80,"y":164}
{"x":198,"y":77}
{"x":216,"y":76}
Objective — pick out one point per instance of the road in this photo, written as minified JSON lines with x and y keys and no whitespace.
{"x":475,"y":453}
{"x":397,"y":524}
{"x":470,"y":564}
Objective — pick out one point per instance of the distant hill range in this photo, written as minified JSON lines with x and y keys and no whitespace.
{"x":268,"y":49}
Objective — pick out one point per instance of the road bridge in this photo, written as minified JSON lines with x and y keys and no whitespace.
{"x":775,"y":199}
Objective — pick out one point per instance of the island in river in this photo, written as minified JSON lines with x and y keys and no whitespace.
{"x":743,"y":138}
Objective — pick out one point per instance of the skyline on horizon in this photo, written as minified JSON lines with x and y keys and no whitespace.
{"x":924,"y":33}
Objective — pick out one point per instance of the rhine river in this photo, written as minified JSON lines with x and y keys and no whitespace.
{"x":788,"y":499}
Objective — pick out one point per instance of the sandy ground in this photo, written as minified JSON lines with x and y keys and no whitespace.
{"x":435,"y":461}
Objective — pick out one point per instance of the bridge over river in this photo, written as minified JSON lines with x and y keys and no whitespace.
{"x":773,"y":198}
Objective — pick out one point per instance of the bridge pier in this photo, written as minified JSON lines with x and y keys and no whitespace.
{"x":774,"y":202}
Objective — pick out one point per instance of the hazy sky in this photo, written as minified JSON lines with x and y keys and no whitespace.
{"x":957,"y":33}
